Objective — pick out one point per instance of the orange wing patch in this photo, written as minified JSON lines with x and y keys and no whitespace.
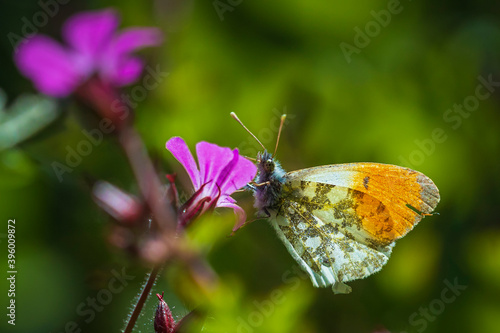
{"x":345,"y":210}
{"x":397,"y":190}
{"x":376,"y":219}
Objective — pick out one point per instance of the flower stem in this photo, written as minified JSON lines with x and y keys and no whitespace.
{"x":147,"y":179}
{"x":142,"y":299}
{"x":150,"y":187}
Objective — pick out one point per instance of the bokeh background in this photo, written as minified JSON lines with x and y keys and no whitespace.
{"x":381,"y":101}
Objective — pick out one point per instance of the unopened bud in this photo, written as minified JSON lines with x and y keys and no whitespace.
{"x":122,"y":206}
{"x":164,"y":322}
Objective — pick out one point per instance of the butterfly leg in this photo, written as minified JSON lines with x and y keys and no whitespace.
{"x":254,"y":184}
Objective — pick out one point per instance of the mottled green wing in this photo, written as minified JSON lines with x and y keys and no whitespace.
{"x":323,"y":247}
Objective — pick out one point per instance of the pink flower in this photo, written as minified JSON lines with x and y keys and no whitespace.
{"x":221,"y":172}
{"x":94,"y":46}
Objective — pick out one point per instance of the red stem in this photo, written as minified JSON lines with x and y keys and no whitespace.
{"x":142,"y":299}
{"x":150,"y":186}
{"x":100,"y":97}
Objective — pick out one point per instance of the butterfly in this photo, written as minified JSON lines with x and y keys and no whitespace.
{"x":339,"y":222}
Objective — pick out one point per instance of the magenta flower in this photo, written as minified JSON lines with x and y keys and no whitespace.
{"x":94,"y":47}
{"x":221,"y":172}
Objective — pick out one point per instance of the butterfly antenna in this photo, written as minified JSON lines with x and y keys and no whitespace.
{"x":239,"y":121}
{"x":279,"y":133}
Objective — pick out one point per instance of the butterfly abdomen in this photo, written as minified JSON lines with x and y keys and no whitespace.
{"x":269,"y":181}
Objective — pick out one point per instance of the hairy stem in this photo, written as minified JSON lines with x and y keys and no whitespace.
{"x":142,"y":299}
{"x":150,"y":187}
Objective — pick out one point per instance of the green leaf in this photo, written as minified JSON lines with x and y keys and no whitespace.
{"x":25,"y":117}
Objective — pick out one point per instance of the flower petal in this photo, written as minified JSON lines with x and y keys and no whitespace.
{"x":91,"y":32}
{"x":136,"y":38}
{"x":117,"y":64}
{"x":181,"y":152}
{"x":240,"y":171}
{"x":224,"y":176}
{"x":49,"y":65}
{"x":212,"y":159}
{"x":123,"y":71}
{"x":241,"y":216}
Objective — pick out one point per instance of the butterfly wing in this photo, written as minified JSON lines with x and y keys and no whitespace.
{"x":339,"y":222}
{"x":389,"y":200}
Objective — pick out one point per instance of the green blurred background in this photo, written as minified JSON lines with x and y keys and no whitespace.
{"x":381,"y":103}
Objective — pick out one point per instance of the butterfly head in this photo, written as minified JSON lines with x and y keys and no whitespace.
{"x":265,"y":162}
{"x":267,"y":186}
{"x":269,"y":170}
{"x":270,"y":176}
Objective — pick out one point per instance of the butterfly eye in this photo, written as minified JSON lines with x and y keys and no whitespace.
{"x":270,"y":165}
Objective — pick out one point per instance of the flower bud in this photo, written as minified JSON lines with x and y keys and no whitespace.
{"x":122,"y":206}
{"x":164,"y":322}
